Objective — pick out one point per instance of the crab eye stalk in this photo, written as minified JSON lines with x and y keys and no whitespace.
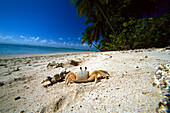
{"x":81,"y":68}
{"x":85,"y":68}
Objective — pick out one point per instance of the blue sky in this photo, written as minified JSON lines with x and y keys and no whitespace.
{"x":44,"y":22}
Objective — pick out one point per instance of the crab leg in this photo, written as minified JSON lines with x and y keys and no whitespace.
{"x":69,"y":76}
{"x":103,"y":73}
{"x":93,"y":76}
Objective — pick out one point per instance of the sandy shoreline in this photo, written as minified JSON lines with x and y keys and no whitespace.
{"x":129,"y":88}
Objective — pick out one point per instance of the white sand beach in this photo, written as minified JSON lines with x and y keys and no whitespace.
{"x":128,"y":89}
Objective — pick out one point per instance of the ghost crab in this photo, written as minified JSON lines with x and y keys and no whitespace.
{"x":83,"y":76}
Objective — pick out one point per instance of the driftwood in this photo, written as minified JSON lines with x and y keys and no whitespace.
{"x":56,"y":78}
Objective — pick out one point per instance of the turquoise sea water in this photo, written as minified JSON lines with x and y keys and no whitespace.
{"x":16,"y":49}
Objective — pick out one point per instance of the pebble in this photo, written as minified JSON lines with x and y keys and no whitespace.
{"x":22,"y":111}
{"x":3,"y":65}
{"x":75,"y":63}
{"x":1,"y":83}
{"x":16,"y":69}
{"x":145,"y":56}
{"x":18,"y":97}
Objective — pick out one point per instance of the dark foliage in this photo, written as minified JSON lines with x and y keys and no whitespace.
{"x":118,"y":24}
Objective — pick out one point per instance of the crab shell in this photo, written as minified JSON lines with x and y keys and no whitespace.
{"x":82,"y":75}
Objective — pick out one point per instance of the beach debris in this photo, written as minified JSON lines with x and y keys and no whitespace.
{"x":7,"y":73}
{"x":17,"y":98}
{"x":20,"y":79}
{"x":145,"y":56}
{"x":56,"y":78}
{"x":54,"y":65}
{"x":3,"y":65}
{"x":167,"y":53}
{"x":16,"y":69}
{"x":167,"y":48}
{"x":1,"y":83}
{"x":162,"y":81}
{"x":137,"y":66}
{"x":141,"y":50}
{"x":75,"y":63}
{"x":22,"y":111}
{"x":83,"y":76}
{"x":27,"y":61}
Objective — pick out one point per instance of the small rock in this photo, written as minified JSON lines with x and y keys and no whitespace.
{"x":110,"y":56}
{"x":59,"y":65}
{"x":141,"y":59}
{"x":136,"y":51}
{"x":54,"y":65}
{"x":16,"y":69}
{"x":26,"y":87}
{"x":145,"y":56}
{"x":117,"y":88}
{"x":1,"y":83}
{"x":75,"y":63}
{"x":167,"y":48}
{"x":16,"y":98}
{"x":141,"y":50}
{"x":3,"y":65}
{"x":22,"y":111}
{"x":137,"y":67}
{"x":28,"y":61}
{"x":19,"y":79}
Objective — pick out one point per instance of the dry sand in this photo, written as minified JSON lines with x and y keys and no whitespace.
{"x":128,"y":89}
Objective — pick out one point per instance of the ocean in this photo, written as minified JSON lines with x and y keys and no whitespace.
{"x":17,"y":49}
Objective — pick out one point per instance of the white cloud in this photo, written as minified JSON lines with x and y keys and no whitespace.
{"x":52,"y":42}
{"x":43,"y":41}
{"x":37,"y":38}
{"x":34,"y":39}
{"x":47,"y":42}
{"x":6,"y":37}
{"x":22,"y":37}
{"x":60,"y":38}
